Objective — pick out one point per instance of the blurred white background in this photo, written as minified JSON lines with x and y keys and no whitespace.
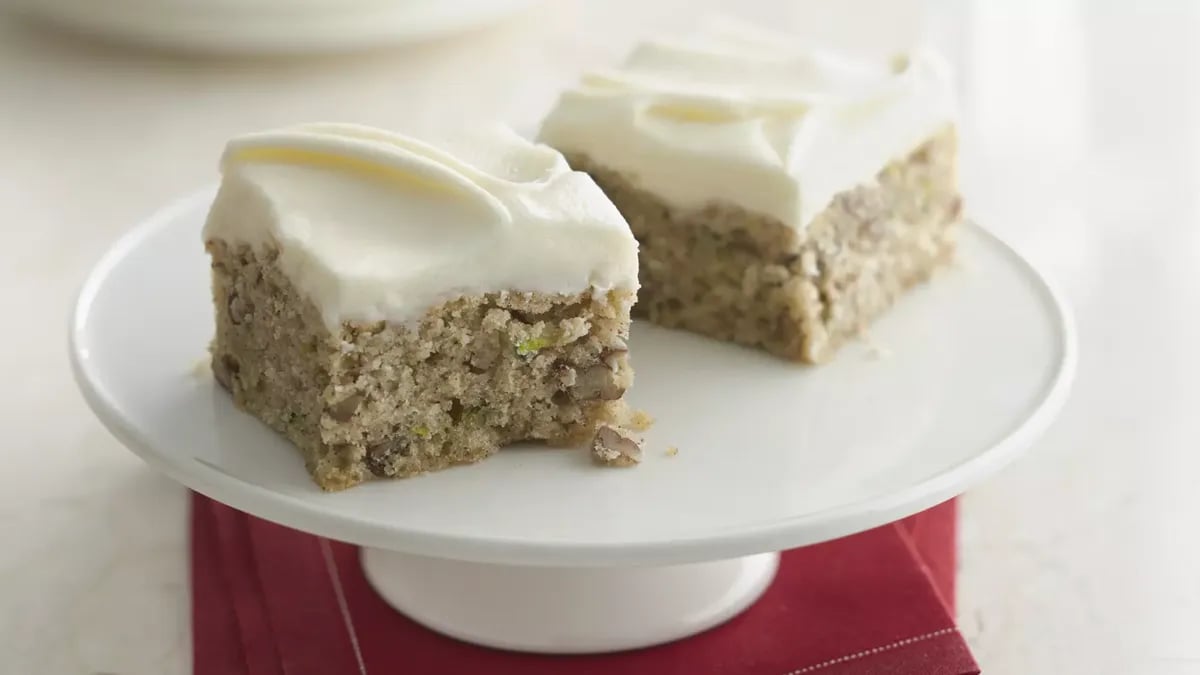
{"x":1081,"y":145}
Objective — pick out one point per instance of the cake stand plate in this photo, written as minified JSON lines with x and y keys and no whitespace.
{"x":537,"y":548}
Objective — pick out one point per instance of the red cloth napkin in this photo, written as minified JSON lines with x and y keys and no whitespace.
{"x":268,"y":600}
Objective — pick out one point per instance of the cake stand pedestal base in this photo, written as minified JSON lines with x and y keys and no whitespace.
{"x":567,"y":610}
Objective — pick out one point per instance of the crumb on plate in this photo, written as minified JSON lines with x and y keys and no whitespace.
{"x":640,"y":420}
{"x":614,"y":446}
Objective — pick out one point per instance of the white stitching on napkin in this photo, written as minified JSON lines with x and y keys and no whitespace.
{"x":331,"y":565}
{"x":872,"y":651}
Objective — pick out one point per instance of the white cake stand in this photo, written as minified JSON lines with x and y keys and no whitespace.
{"x":537,"y":549}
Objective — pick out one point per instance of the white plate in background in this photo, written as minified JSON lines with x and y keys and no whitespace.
{"x":268,"y":26}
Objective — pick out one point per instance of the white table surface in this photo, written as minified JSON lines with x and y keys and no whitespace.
{"x":1082,"y":136}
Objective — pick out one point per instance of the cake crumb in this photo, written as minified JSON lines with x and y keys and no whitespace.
{"x":640,"y":420}
{"x":672,"y":451}
{"x":614,"y":446}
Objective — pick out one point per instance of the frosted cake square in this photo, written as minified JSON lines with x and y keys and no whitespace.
{"x":783,"y":197}
{"x":395,"y":306}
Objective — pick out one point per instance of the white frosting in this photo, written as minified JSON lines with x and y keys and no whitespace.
{"x":376,"y":226}
{"x":743,"y":116}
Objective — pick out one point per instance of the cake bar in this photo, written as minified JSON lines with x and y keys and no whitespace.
{"x":783,"y":197}
{"x":395,"y":306}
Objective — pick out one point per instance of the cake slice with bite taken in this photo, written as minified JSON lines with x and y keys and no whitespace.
{"x":394,"y":306}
